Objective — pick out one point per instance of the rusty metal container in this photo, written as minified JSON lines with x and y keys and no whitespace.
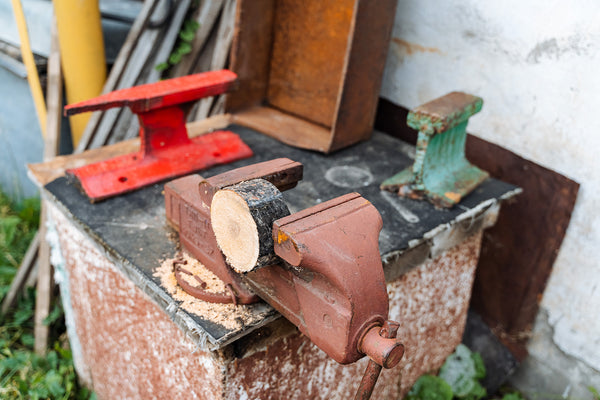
{"x":310,"y":71}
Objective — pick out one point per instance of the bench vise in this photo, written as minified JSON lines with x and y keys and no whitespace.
{"x":320,"y":267}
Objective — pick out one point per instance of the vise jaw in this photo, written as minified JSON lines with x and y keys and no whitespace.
{"x":329,"y":281}
{"x":187,"y":205}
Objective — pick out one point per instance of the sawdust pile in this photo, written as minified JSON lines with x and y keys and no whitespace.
{"x":229,"y":316}
{"x":213,"y":283}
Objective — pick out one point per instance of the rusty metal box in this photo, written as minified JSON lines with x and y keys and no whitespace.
{"x":310,"y":71}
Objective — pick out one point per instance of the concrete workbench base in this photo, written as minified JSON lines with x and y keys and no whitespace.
{"x":131,"y":349}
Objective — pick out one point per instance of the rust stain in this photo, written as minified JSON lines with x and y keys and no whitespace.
{"x":455,"y":197}
{"x":282,"y":237}
{"x":408,"y":48}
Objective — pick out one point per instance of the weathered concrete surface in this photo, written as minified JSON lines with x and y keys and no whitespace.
{"x":535,"y":64}
{"x":131,"y":349}
{"x":549,"y":370}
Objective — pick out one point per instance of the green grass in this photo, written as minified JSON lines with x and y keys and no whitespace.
{"x":24,"y":374}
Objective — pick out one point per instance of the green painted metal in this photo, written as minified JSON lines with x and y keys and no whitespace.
{"x":441,"y":173}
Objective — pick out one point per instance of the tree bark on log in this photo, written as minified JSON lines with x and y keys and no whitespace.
{"x":242,"y":217}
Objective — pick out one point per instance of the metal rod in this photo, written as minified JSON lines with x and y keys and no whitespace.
{"x":369,"y":379}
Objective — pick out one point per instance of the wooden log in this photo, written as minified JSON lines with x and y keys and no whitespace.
{"x":242,"y":217}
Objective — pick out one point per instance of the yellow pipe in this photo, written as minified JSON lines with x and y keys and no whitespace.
{"x":32,"y":73}
{"x":82,"y":54}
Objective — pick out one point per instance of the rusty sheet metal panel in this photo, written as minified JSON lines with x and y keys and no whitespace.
{"x":310,"y":75}
{"x":130,"y":346}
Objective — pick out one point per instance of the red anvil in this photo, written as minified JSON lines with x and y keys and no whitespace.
{"x":166,"y":151}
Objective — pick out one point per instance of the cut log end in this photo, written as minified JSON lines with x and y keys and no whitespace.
{"x":235,"y":230}
{"x":242,"y":218}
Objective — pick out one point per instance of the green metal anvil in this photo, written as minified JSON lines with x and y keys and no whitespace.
{"x":441,"y":173}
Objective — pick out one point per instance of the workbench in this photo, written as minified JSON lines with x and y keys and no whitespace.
{"x":132,"y":339}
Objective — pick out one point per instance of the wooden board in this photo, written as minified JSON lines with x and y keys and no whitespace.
{"x":518,"y":252}
{"x":301,"y":133}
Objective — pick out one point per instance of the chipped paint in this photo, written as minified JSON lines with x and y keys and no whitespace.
{"x":130,"y":347}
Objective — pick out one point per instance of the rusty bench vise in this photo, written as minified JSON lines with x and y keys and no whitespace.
{"x":320,"y":267}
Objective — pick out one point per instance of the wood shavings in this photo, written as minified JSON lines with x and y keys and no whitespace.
{"x":196,"y":268}
{"x":229,"y":316}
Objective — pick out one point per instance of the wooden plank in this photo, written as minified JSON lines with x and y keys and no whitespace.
{"x":203,"y":64}
{"x":54,"y":99}
{"x":272,"y":122}
{"x":23,"y":274}
{"x":117,"y":70}
{"x":45,"y":281}
{"x":517,"y":253}
{"x":44,"y":289}
{"x":206,"y":15}
{"x":221,"y":51}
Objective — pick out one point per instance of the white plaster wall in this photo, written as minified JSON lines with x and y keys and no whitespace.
{"x":536,"y":64}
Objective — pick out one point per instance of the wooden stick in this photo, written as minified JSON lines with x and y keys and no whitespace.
{"x":242,"y":218}
{"x":117,"y":71}
{"x":45,"y":281}
{"x":220,"y":53}
{"x":44,"y":290}
{"x":23,"y":273}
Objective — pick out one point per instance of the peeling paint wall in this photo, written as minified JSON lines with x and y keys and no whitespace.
{"x":536,"y":64}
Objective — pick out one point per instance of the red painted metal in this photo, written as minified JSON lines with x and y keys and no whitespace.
{"x":332,"y":287}
{"x":166,"y":151}
{"x":187,"y":204}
